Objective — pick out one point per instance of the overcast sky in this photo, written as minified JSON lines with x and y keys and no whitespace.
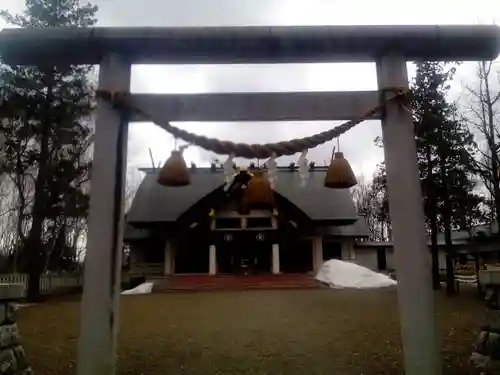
{"x":357,"y":144}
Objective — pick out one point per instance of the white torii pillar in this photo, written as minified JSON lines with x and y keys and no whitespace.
{"x":412,"y":257}
{"x":101,"y":289}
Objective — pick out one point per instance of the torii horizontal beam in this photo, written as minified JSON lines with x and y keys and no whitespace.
{"x":258,"y":106}
{"x":255,"y":44}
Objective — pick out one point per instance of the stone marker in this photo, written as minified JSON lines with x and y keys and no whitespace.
{"x":12,"y":356}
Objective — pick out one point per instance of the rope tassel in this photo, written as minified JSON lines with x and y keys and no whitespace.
{"x":228,"y":170}
{"x":272,"y":171}
{"x":303,"y":168}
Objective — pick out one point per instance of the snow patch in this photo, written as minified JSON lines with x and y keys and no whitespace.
{"x":144,"y":288}
{"x":18,"y":306}
{"x":339,"y":274}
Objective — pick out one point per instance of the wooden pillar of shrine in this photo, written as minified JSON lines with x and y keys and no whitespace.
{"x":101,"y":289}
{"x":212,"y":260}
{"x":412,"y":257}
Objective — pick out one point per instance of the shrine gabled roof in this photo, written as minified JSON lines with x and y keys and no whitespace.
{"x":155,"y":203}
{"x":358,"y":229}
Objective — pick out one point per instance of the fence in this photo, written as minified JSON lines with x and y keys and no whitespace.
{"x":466,"y":279}
{"x":48,"y":283}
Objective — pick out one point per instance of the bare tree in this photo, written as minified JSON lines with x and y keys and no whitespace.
{"x":482,"y":113}
{"x":8,"y":216}
{"x":366,"y":200}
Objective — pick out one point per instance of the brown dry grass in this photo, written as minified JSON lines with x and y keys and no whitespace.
{"x":259,"y":332}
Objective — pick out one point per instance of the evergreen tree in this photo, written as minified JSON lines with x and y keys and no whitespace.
{"x":441,"y":140}
{"x":379,"y":188}
{"x":445,"y":155}
{"x":45,"y":114}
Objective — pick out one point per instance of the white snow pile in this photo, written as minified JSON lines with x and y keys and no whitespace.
{"x":339,"y":274}
{"x":144,"y":288}
{"x":18,"y":306}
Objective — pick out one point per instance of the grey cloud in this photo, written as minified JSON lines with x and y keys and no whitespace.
{"x":186,"y":12}
{"x":287,"y":12}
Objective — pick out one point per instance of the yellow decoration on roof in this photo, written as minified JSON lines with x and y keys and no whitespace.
{"x":211,"y":213}
{"x":242,"y":169}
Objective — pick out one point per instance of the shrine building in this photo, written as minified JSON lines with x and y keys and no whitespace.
{"x":205,"y":228}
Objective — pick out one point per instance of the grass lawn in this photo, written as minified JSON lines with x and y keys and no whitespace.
{"x":259,"y":332}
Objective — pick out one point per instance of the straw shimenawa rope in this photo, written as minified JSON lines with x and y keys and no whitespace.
{"x":122,"y":100}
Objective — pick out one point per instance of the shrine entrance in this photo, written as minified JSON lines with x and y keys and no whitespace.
{"x":244,"y":254}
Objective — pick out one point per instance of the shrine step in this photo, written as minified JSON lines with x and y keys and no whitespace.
{"x":232,"y":282}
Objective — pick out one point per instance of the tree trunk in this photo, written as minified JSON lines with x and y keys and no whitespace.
{"x":49,"y":250}
{"x":34,"y":245}
{"x":446,"y":214}
{"x":432,"y":213}
{"x":477,"y":268}
{"x":34,"y":252}
{"x":490,"y":138}
{"x":20,"y":186}
{"x":436,"y":277}
{"x":450,"y":267}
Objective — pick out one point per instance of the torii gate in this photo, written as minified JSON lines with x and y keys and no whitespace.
{"x":115,"y":49}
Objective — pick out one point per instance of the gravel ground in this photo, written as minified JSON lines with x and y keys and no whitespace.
{"x":259,"y":332}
